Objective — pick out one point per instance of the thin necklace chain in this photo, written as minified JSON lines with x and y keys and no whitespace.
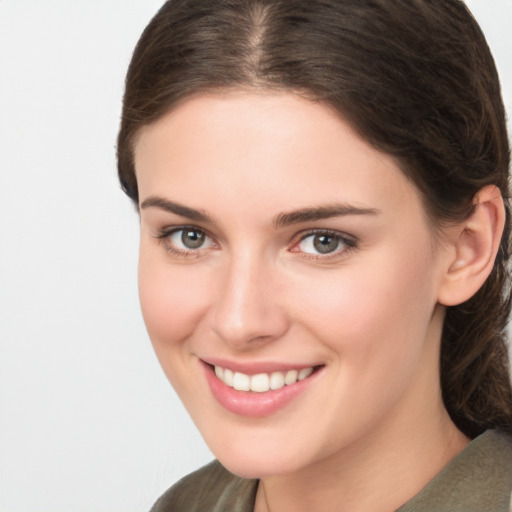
{"x":265,"y":497}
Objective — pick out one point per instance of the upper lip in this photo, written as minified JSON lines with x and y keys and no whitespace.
{"x":256,"y":367}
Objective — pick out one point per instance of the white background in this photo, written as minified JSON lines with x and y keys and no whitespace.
{"x":88,"y":423}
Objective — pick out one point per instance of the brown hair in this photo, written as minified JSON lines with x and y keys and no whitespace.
{"x":414,"y":77}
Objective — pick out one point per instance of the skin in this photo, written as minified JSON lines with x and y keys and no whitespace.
{"x":255,"y":292}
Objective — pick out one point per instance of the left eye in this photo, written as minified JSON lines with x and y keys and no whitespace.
{"x":321,"y":243}
{"x":189,"y":239}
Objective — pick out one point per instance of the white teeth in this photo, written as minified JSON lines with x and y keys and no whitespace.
{"x":228,"y":377}
{"x":305,"y":372}
{"x":261,"y":382}
{"x":241,"y":382}
{"x":276,"y":380}
{"x":291,"y":377}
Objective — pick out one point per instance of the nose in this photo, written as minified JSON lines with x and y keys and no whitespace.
{"x":247,"y":312}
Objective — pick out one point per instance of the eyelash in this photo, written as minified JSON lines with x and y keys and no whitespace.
{"x":349,"y":242}
{"x":164,"y":237}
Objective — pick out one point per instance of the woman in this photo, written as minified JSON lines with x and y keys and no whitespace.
{"x":322,"y":188}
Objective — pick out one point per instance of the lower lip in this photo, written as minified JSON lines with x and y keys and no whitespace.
{"x":250,"y":403}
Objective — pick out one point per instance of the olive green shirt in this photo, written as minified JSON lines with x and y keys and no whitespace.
{"x":479,"y":479}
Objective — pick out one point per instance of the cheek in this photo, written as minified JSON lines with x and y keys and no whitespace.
{"x":376,"y":317}
{"x":172,"y":300}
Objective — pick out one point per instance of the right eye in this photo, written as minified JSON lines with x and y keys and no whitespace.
{"x":186,"y":240}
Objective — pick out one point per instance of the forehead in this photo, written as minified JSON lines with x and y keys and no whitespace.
{"x":263,"y":149}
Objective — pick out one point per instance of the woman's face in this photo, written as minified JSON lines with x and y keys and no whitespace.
{"x":277,"y":245}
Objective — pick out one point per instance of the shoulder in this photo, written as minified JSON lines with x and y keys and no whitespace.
{"x":211,"y":488}
{"x":479,"y":479}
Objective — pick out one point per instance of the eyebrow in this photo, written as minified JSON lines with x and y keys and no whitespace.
{"x":279,"y":221}
{"x":319,"y":213}
{"x":178,"y":209}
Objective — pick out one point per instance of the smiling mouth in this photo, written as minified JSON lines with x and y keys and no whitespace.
{"x":257,"y":393}
{"x":262,"y":382}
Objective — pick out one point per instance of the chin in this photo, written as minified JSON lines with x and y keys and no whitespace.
{"x":257,"y":467}
{"x":258,"y":460}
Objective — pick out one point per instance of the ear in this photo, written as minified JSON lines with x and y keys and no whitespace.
{"x":473,"y":247}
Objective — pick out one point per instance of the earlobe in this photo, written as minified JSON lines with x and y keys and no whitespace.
{"x":475,"y":244}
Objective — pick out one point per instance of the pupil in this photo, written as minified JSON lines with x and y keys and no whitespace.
{"x":192,"y":239}
{"x":325,"y":244}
